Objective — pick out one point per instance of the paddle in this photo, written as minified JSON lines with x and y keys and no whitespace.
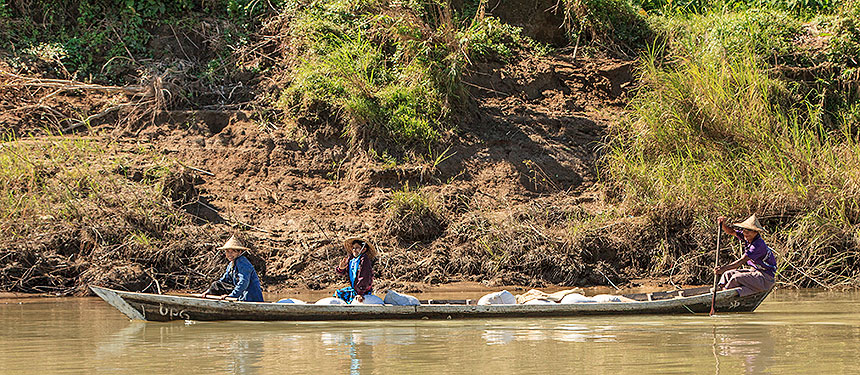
{"x":716,"y":264}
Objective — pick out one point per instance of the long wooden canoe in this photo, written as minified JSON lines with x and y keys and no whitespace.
{"x":159,"y":307}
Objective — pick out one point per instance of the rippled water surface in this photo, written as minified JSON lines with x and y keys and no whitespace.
{"x":792,"y":332}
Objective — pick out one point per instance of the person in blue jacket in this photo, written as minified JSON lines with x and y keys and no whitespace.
{"x":240,"y":280}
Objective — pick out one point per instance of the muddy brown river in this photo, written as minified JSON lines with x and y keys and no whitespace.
{"x":792,"y":332}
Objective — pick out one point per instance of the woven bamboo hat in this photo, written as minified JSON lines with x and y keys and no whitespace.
{"x":751,"y":224}
{"x":233,"y":243}
{"x":370,"y":249}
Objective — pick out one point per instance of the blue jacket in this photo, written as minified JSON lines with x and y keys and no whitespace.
{"x":247,"y":284}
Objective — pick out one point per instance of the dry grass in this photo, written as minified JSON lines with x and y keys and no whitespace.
{"x":72,"y":213}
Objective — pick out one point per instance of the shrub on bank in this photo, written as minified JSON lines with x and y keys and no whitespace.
{"x":413,"y":216}
{"x":390,"y":72}
{"x":611,"y":23}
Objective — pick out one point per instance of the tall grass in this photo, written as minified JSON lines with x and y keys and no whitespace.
{"x":74,"y":211}
{"x":713,"y":132}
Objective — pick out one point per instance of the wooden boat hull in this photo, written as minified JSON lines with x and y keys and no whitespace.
{"x":158,"y":307}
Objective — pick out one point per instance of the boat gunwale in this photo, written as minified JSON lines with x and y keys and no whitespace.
{"x":211,"y":306}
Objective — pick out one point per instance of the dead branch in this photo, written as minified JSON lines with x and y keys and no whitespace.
{"x":16,"y":80}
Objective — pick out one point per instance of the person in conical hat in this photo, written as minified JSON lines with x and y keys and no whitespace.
{"x":357,"y":265}
{"x":240,"y":280}
{"x":758,"y":256}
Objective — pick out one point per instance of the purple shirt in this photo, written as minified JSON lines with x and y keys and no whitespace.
{"x":761,"y":257}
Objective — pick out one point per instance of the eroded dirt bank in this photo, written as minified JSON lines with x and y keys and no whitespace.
{"x":502,"y":196}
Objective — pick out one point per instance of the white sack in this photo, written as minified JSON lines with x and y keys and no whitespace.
{"x":331,"y":301}
{"x":369,"y":299}
{"x":292,"y":300}
{"x":397,"y":299}
{"x":498,"y":298}
{"x":576,"y":298}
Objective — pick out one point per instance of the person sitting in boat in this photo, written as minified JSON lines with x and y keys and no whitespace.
{"x":757,"y":254}
{"x":357,"y":264}
{"x":240,"y":280}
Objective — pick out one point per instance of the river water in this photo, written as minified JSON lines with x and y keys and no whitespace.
{"x":792,"y":332}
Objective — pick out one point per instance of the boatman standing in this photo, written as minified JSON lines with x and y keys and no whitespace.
{"x":240,"y":280}
{"x":757,"y":254}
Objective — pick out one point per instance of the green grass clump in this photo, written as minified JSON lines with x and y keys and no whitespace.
{"x":413,"y":216}
{"x":615,"y":24}
{"x":390,"y":72}
{"x":704,"y":6}
{"x":714,"y":132}
{"x":769,"y":33}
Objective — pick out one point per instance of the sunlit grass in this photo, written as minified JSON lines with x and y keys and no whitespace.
{"x":713,"y":133}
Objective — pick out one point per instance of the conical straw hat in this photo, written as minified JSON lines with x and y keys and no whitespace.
{"x":347,"y":245}
{"x":751,"y":224}
{"x":233,"y":243}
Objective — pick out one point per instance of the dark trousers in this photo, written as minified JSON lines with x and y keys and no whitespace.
{"x":220,"y":288}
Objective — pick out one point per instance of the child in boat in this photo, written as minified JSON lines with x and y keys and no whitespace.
{"x":357,"y":265}
{"x":240,"y":280}
{"x":757,"y":255}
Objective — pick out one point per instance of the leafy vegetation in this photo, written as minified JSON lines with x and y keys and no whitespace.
{"x":105,"y":40}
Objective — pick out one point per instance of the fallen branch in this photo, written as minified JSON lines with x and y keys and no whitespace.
{"x":67,"y":85}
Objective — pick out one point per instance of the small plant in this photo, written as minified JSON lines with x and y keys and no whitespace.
{"x":412,"y":216}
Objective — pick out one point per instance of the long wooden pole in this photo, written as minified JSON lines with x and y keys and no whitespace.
{"x":716,"y":264}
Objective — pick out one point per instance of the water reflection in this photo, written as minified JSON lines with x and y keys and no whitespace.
{"x":360,"y":347}
{"x":755,"y":355}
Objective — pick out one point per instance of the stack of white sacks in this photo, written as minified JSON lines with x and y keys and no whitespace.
{"x":391,"y":298}
{"x":498,"y":298}
{"x":506,"y":298}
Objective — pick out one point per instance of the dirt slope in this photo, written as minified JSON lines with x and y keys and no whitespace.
{"x":533,"y":137}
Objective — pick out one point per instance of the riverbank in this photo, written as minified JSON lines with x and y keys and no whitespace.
{"x":467,"y":143}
